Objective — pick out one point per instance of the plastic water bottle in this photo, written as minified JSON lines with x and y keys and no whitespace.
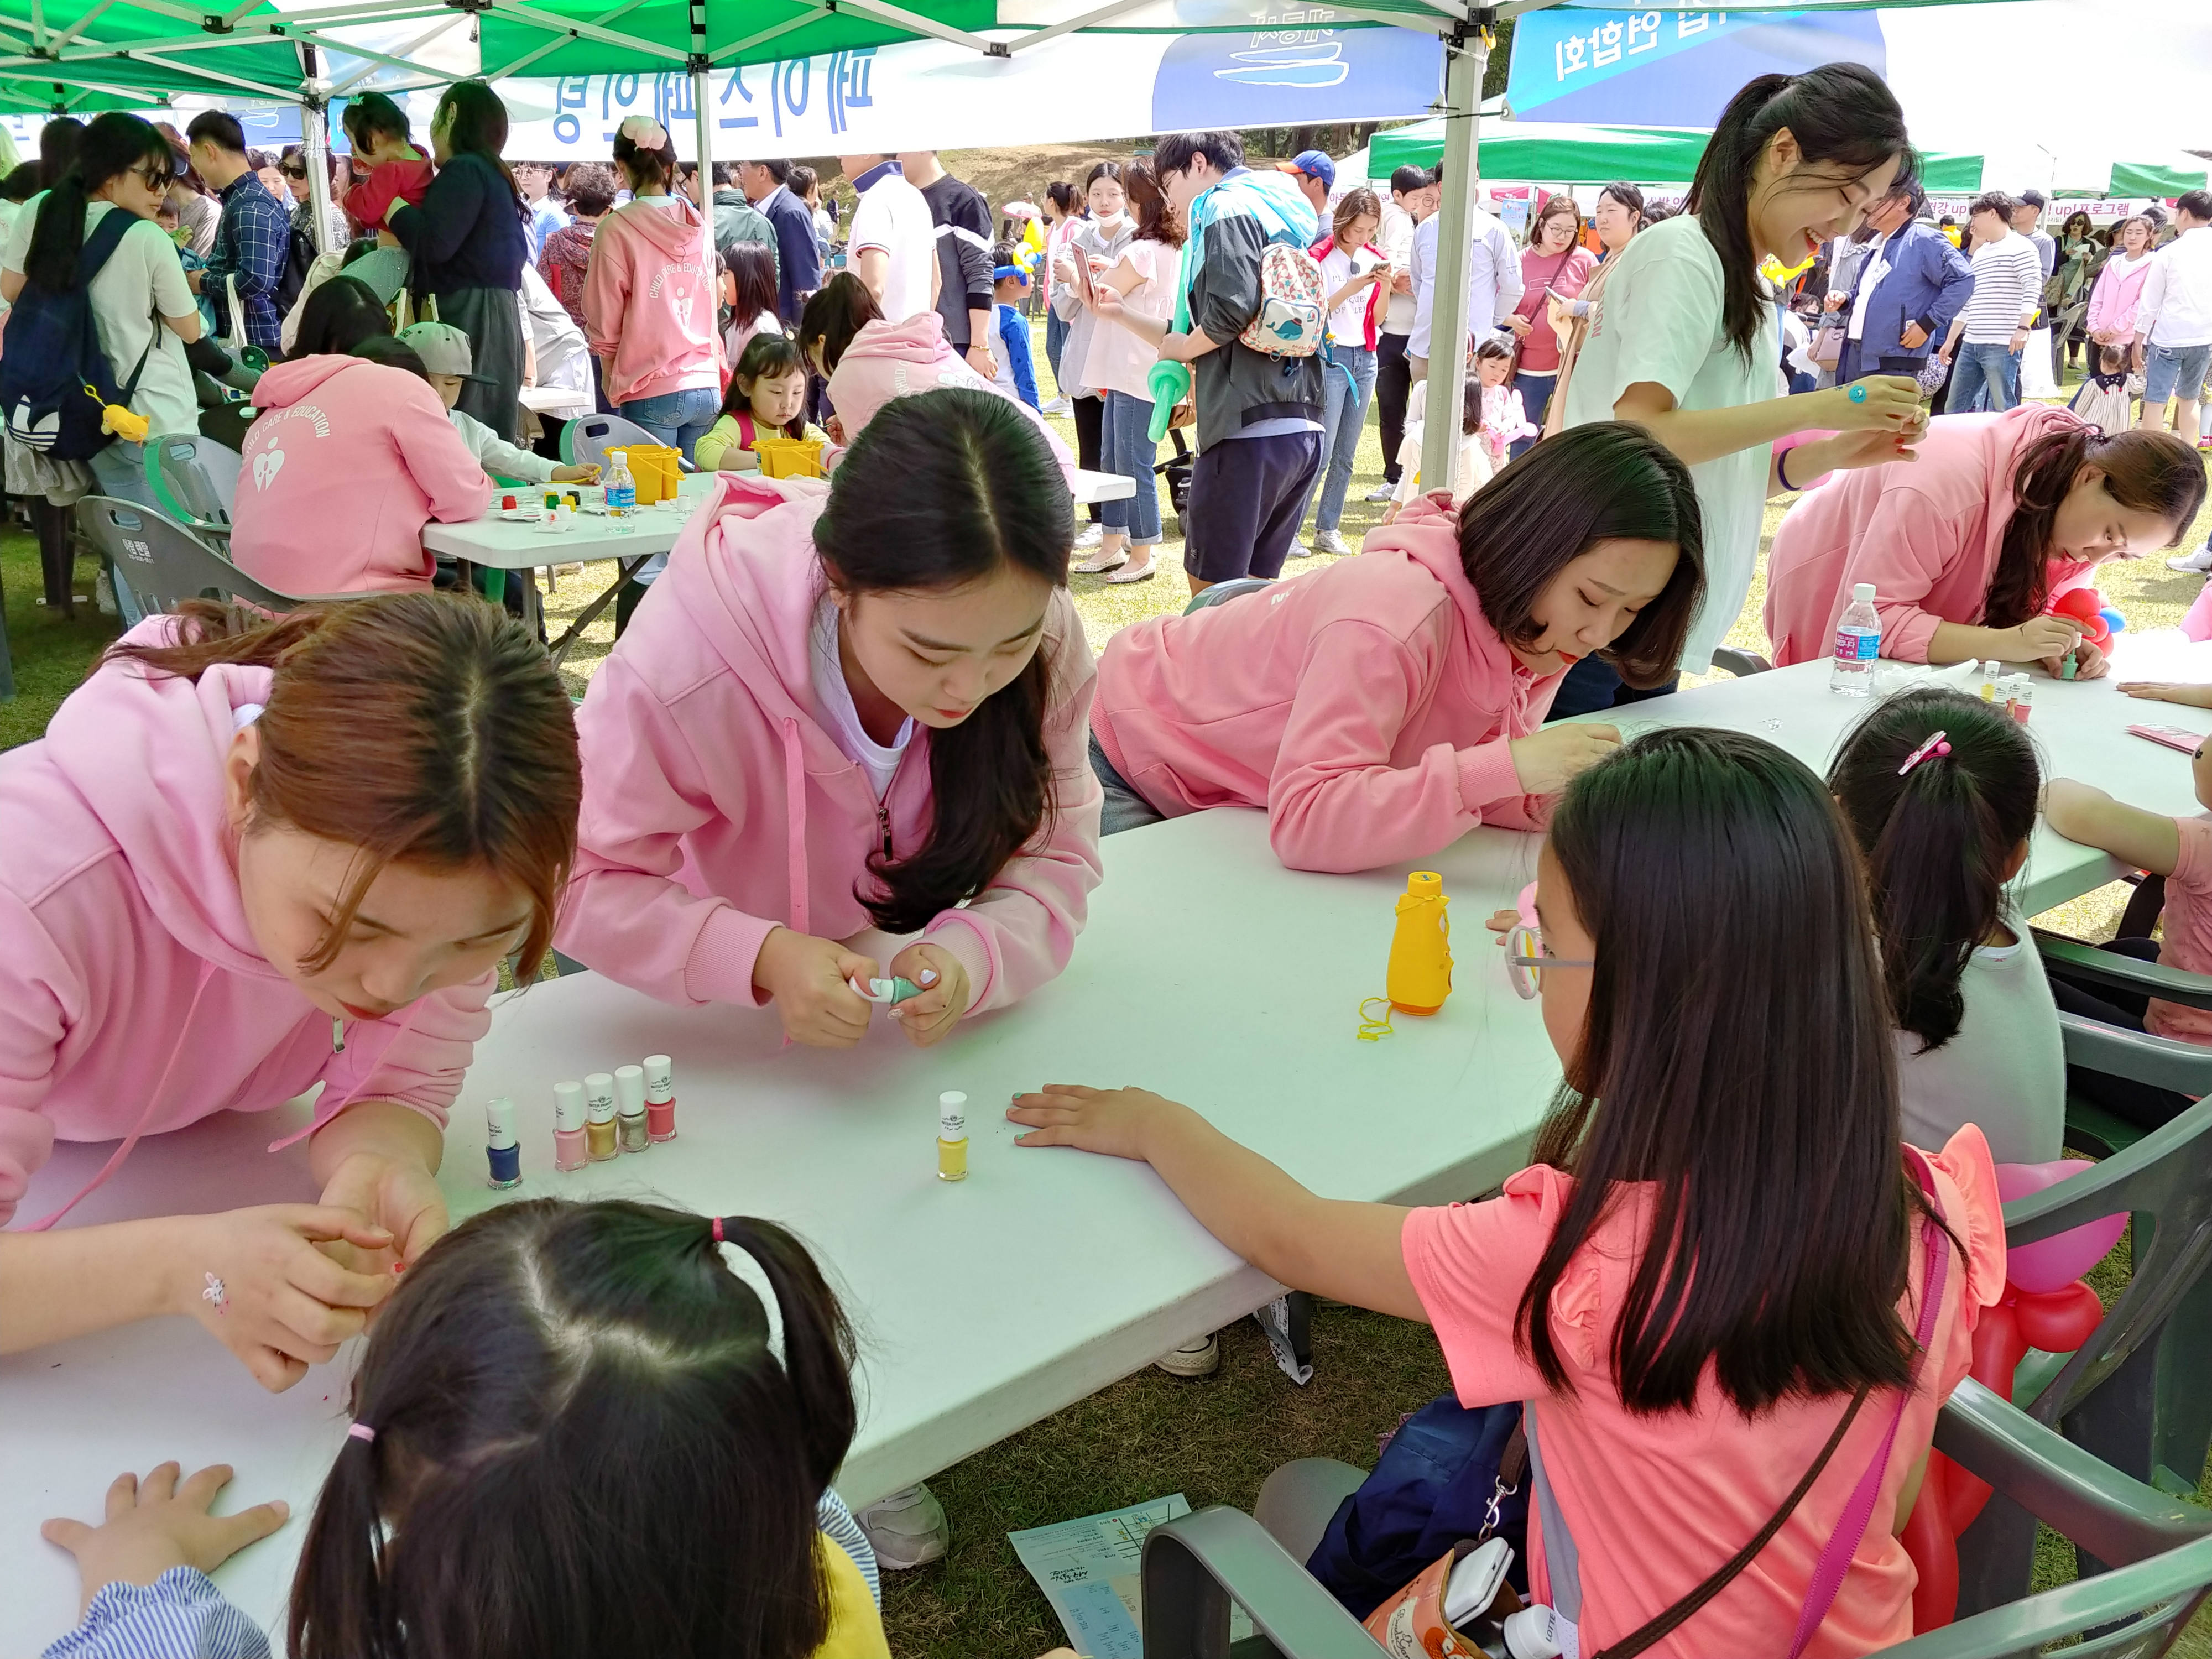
{"x":1858,"y":642}
{"x":622,"y":497}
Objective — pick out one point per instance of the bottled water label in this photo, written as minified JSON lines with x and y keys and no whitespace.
{"x":1857,"y":645}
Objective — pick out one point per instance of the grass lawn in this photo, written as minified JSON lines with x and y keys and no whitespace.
{"x":1214,"y":1441}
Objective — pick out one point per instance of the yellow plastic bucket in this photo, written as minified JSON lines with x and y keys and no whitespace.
{"x":789,"y":458}
{"x":655,"y":468}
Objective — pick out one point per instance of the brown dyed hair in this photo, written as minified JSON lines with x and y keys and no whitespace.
{"x":423,"y":729}
{"x":1156,"y":214}
{"x":1556,"y":205}
{"x":2145,"y":472}
{"x":1355,"y":203}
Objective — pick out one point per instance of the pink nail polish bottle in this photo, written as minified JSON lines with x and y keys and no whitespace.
{"x":568,"y":1150}
{"x":659,"y":1098}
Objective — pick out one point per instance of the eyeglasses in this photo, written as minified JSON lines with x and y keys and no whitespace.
{"x":1525,"y":958}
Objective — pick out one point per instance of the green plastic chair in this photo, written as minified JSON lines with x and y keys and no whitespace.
{"x":2090,"y":1127}
{"x":195,"y":480}
{"x":165,"y":563}
{"x":1222,"y":592}
{"x":1196,"y":1565}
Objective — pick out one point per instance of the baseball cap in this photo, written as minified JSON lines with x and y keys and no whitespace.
{"x":2034,"y":198}
{"x":1315,"y":164}
{"x":443,"y":349}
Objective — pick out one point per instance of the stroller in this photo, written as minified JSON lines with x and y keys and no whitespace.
{"x":1177,"y":468}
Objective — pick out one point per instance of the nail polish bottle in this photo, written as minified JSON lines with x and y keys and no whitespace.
{"x":504,"y":1150}
{"x":952,"y":1136}
{"x":599,"y":1115}
{"x":629,"y":1107}
{"x":659,"y":1098}
{"x":568,"y":1150}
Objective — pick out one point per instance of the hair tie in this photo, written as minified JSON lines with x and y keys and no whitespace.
{"x":718,"y":1239}
{"x":1938,"y":744}
{"x":360,"y":1431}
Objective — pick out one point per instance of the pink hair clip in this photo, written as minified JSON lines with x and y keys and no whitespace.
{"x":360,"y":1431}
{"x":1938,"y":744}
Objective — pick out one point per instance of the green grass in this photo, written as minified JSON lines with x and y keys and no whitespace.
{"x":52,"y":655}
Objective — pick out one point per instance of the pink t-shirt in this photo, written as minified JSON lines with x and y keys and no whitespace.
{"x":1120,"y":360}
{"x":2188,"y":933}
{"x":1655,"y":1504}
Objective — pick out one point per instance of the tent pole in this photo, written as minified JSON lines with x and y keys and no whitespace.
{"x":315,"y":144}
{"x":702,"y":114}
{"x":1467,"y":56}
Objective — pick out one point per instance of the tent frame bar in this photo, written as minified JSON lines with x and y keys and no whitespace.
{"x":1111,"y":10}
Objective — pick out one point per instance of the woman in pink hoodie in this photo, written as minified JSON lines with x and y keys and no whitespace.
{"x":867,"y":706}
{"x":251,"y":857}
{"x":1967,"y":546}
{"x":1379,"y":707}
{"x":347,"y":462}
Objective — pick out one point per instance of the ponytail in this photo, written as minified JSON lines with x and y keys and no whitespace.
{"x":942,"y":489}
{"x":110,"y":146}
{"x":1841,"y":114}
{"x":817,"y":1339}
{"x":2145,"y":471}
{"x":1936,"y":836}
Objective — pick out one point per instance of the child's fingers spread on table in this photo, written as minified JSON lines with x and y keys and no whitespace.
{"x":235,"y":1532}
{"x":161,"y":1482}
{"x":64,"y":1533}
{"x":123,"y":1493}
{"x":201,"y":1486}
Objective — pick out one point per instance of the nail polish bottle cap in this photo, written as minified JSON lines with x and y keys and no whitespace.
{"x":568,"y":1106}
{"x":659,"y":1079}
{"x":499,"y":1119}
{"x":599,"y":1096}
{"x":952,"y":1115}
{"x":629,"y":1090}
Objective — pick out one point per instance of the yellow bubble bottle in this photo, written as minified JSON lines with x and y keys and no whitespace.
{"x":1420,"y":950}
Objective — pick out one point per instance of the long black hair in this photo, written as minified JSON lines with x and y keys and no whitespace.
{"x":338,"y":316}
{"x":2145,"y":471}
{"x":940,"y":488}
{"x":751,"y":267}
{"x":1743,"y":1073}
{"x":1842,"y":115}
{"x":1607,"y":481}
{"x":1936,"y":840}
{"x":833,"y":314}
{"x":111,"y":146}
{"x":584,"y":1443}
{"x":476,"y":124}
{"x":58,"y":146}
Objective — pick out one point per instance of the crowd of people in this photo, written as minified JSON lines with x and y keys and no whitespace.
{"x":261,"y":853}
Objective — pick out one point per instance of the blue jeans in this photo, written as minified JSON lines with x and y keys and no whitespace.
{"x":1125,"y":447}
{"x":1349,"y":382}
{"x":1055,"y":337}
{"x":1536,"y":388}
{"x":1993,"y":370}
{"x":678,"y":419}
{"x":2171,"y":371}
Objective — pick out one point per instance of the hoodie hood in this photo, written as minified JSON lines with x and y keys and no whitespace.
{"x":282,"y":385}
{"x":672,"y":231}
{"x":1427,"y":532}
{"x":889,"y":360}
{"x":145,"y":753}
{"x":746,"y":568}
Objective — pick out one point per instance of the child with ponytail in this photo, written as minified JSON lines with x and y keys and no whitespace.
{"x":573,"y":1435}
{"x":1940,"y":791}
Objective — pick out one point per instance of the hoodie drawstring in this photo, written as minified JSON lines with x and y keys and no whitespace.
{"x":319,"y":1118}
{"x":145,"y":1114}
{"x":794,"y":820}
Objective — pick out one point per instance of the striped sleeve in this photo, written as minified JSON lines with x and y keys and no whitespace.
{"x":180,"y":1615}
{"x":838,"y":1525}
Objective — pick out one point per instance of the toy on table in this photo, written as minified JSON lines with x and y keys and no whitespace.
{"x":2099,"y":622}
{"x":1419,"y":977}
{"x":884,"y":993}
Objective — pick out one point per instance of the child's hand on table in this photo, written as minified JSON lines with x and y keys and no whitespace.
{"x":256,"y":1281}
{"x":806,"y":977}
{"x":1119,"y":1123}
{"x":583,"y":472}
{"x":2192,"y":697}
{"x":945,"y":993}
{"x":156,"y":1524}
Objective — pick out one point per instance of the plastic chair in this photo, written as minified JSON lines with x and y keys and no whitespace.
{"x":2091,"y":1126}
{"x":1195,"y":1566}
{"x":1222,"y":592}
{"x":165,"y":562}
{"x":586,"y":440}
{"x":1740,"y":663}
{"x":195,"y":479}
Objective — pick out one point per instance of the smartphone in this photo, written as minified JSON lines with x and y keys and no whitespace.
{"x":2171,"y":736}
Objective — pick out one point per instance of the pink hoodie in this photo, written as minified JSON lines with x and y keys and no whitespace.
{"x":650,"y":303}
{"x":889,"y":360}
{"x":717,"y":805}
{"x":1366,"y":706}
{"x":133,"y":998}
{"x":347,"y":463}
{"x":1925,"y":534}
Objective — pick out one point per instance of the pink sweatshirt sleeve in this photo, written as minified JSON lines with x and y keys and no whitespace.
{"x":606,"y":292}
{"x":36,"y":985}
{"x":1335,"y":801}
{"x":1018,"y":932}
{"x":1904,"y":549}
{"x":439,"y":462}
{"x":626,"y":915}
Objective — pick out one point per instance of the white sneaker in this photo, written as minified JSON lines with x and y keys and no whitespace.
{"x":1300,"y":550}
{"x":906,"y":1529}
{"x":1200,"y":1358}
{"x":1057,"y":406}
{"x":1329,"y":541}
{"x":1382,"y":492}
{"x":1091,"y":535}
{"x":2198,"y":563}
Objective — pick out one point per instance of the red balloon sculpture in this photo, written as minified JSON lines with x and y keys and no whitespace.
{"x":2045,"y":1306}
{"x":2087,"y":606}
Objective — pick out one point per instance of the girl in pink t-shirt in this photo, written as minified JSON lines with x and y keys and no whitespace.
{"x":1731,"y":1089}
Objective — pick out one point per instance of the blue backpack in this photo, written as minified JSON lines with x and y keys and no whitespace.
{"x":55,"y":379}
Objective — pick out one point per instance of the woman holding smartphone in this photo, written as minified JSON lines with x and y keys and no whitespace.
{"x":1554,"y":270}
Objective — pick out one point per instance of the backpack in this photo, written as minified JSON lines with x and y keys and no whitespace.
{"x":1292,"y":320}
{"x":55,"y":379}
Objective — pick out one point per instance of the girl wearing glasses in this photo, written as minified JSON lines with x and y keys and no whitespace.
{"x":1379,"y":708}
{"x":1732,"y":1089}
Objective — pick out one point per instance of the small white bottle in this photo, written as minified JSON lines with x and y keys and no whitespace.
{"x":1858,"y":643}
{"x":1992,"y":676}
{"x":622,"y":495}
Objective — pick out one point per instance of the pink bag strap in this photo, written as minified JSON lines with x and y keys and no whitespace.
{"x":1851,"y":1527}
